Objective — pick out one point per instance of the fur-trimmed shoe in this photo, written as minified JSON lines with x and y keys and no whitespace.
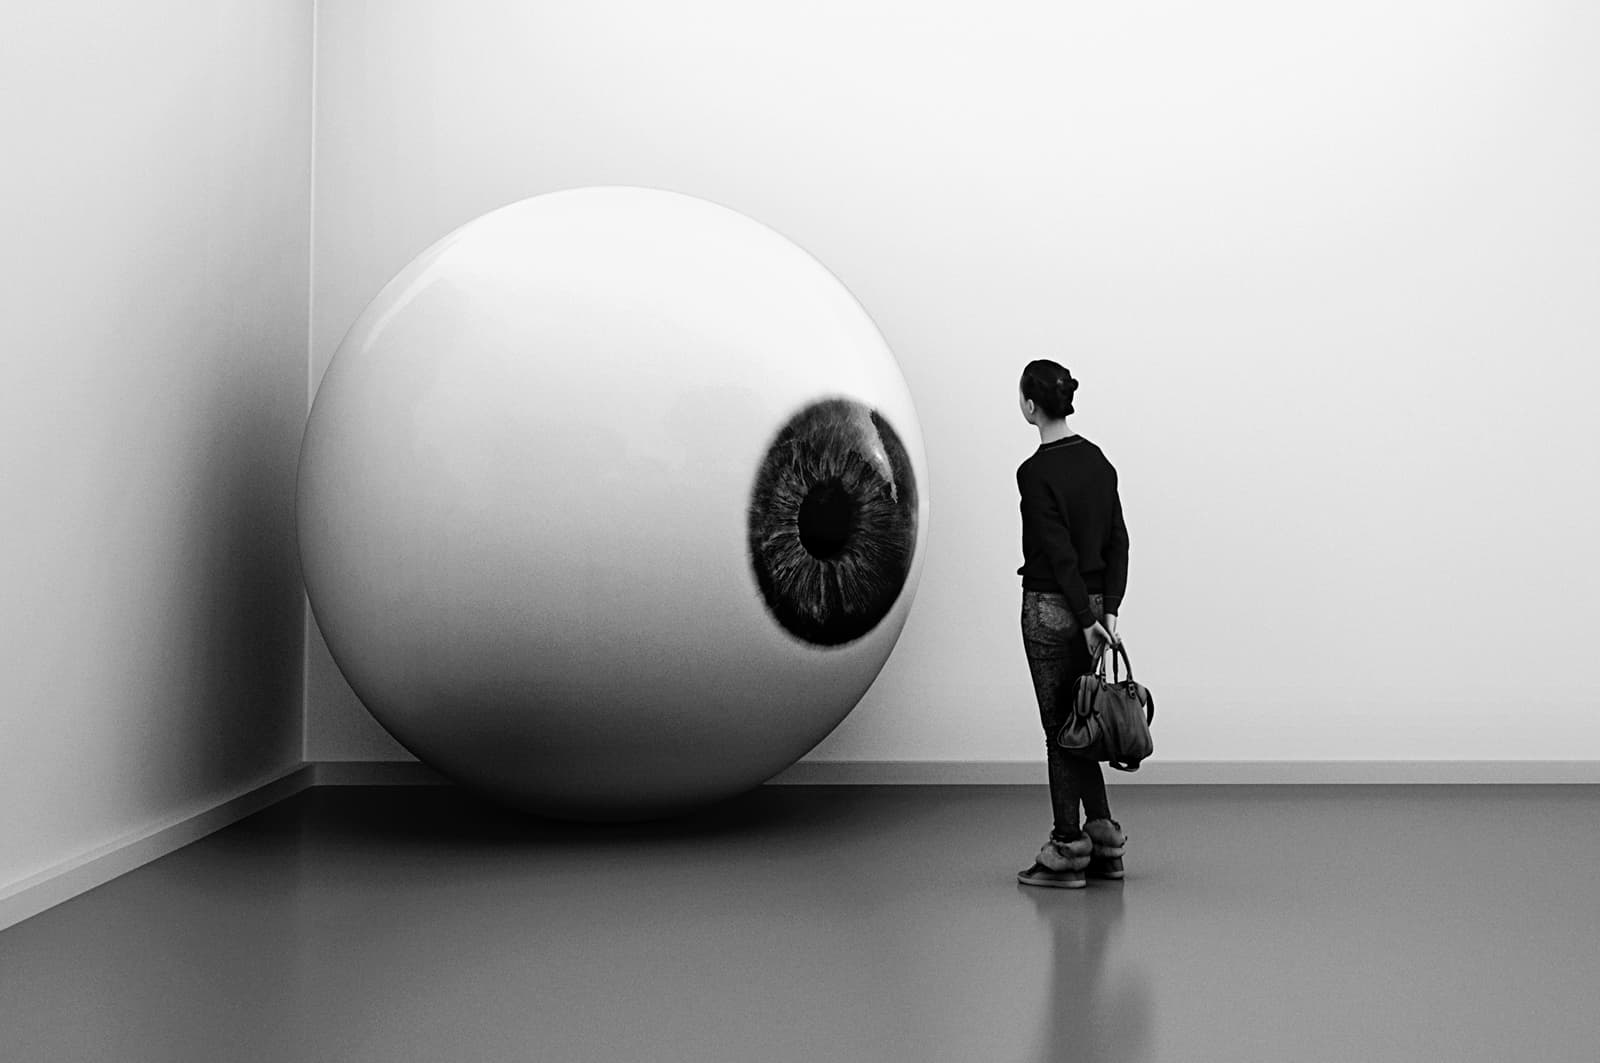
{"x":1060,"y":864}
{"x":1110,"y":842}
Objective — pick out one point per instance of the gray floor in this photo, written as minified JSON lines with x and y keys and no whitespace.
{"x":839,"y":923}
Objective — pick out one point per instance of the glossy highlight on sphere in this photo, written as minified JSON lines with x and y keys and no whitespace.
{"x":611,"y":503}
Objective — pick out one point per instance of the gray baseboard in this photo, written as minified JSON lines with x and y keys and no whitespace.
{"x":1032,"y":772}
{"x":375,"y":773}
{"x":36,"y":893}
{"x":1202,"y":773}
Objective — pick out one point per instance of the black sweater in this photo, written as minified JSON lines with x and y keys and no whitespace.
{"x":1073,"y":539}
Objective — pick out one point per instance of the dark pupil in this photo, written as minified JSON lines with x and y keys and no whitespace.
{"x":827,"y":517}
{"x":831,"y":528}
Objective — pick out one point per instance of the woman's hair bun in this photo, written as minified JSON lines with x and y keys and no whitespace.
{"x":1050,"y":385}
{"x":1065,"y":387}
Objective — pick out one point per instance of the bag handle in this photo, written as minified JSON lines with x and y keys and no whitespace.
{"x":1119,"y":650}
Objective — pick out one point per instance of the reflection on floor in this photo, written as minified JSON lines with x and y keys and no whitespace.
{"x":839,"y":923}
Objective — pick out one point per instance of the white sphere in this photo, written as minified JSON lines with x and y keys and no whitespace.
{"x":612,"y":503}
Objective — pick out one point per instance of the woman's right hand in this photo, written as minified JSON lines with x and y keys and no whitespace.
{"x":1098,"y":639}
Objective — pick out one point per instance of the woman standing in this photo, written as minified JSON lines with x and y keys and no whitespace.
{"x":1074,"y":572}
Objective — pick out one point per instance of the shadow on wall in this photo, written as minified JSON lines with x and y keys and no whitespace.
{"x":224,"y":646}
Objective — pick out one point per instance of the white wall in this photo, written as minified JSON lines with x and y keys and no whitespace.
{"x":1328,"y":274}
{"x":154,"y":201}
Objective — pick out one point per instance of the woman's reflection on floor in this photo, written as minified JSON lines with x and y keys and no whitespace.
{"x":1095,"y":1011}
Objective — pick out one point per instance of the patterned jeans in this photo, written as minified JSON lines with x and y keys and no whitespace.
{"x":1053,"y":640}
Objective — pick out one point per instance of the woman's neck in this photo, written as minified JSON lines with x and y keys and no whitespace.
{"x":1052,"y":431}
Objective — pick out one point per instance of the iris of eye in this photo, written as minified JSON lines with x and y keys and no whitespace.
{"x":827,"y":517}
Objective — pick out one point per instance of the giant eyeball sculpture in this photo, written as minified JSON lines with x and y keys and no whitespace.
{"x":611,"y":504}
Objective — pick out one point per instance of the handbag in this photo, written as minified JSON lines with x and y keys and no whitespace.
{"x":1110,"y":719}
